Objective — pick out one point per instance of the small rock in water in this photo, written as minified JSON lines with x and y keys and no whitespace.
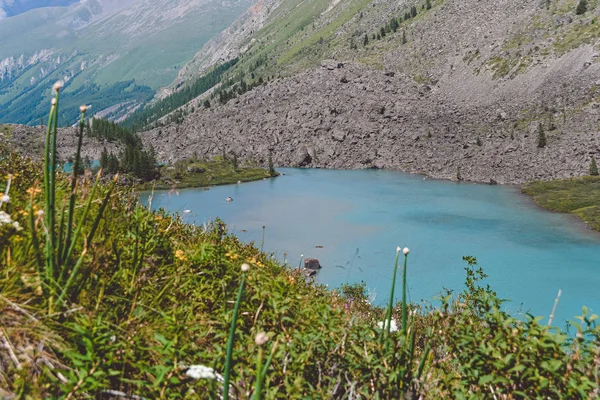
{"x":312,"y":263}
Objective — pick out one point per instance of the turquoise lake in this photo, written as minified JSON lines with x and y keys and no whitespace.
{"x":360,"y":217}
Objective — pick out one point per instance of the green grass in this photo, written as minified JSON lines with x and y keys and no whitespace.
{"x":6,"y":130}
{"x":577,"y":35}
{"x":579,"y":196}
{"x":215,"y":172}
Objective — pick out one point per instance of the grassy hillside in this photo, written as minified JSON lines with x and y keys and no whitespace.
{"x":196,"y":173}
{"x":100,"y":297}
{"x":579,"y":196}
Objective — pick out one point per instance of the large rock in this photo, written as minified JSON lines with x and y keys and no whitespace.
{"x":303,"y":158}
{"x":312,"y":263}
{"x":338,"y":135}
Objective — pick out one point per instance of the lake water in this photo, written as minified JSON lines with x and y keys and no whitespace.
{"x":360,"y":217}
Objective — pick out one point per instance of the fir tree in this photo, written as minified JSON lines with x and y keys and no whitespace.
{"x":428,"y":4}
{"x":366,"y":40}
{"x":593,"y":167}
{"x":234,"y":161}
{"x":541,"y":140}
{"x":581,"y":7}
{"x":271,"y":167}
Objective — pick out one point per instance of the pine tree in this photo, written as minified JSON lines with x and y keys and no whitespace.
{"x":428,"y":4}
{"x":366,"y":40}
{"x":541,"y":141}
{"x":403,"y":37}
{"x":581,"y":7}
{"x":271,"y":167}
{"x":382,"y":30}
{"x":593,"y":167}
{"x":104,"y":159}
{"x":413,"y":11}
{"x":234,"y":161}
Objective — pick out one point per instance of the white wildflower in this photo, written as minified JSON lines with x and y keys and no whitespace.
{"x":53,"y":101}
{"x":83,"y":108}
{"x":261,"y":339}
{"x":4,"y":199}
{"x":39,"y":213}
{"x":398,"y":249}
{"x":201,"y":372}
{"x":58,"y":85}
{"x":245,"y":267}
{"x":16,"y":225}
{"x":406,"y":251}
{"x":5,"y":218}
{"x":393,"y":325}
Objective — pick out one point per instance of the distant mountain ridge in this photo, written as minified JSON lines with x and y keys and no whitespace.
{"x":9,"y":8}
{"x":116,"y":53}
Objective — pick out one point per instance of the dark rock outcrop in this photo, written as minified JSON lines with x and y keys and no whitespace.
{"x":312,"y":263}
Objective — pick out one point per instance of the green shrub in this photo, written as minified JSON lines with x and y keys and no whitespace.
{"x":541,"y":138}
{"x":581,"y":7}
{"x":593,"y":167}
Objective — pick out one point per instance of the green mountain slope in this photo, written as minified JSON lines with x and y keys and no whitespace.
{"x":122,"y":51}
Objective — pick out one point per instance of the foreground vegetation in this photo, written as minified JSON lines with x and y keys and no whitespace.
{"x":101,"y":297}
{"x":579,"y":196}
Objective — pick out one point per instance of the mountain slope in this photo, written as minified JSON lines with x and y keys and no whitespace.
{"x":9,"y":8}
{"x":124,"y":50}
{"x":458,"y":91}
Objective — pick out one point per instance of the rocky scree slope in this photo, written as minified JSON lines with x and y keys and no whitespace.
{"x":462,"y":99}
{"x":30,"y":142}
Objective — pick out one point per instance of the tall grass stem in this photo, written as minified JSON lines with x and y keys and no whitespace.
{"x":230,"y":341}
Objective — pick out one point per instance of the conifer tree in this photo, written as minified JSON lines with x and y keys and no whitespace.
{"x":366,"y":40}
{"x":593,"y":167}
{"x":271,"y":167}
{"x":541,"y":140}
{"x":581,"y":7}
